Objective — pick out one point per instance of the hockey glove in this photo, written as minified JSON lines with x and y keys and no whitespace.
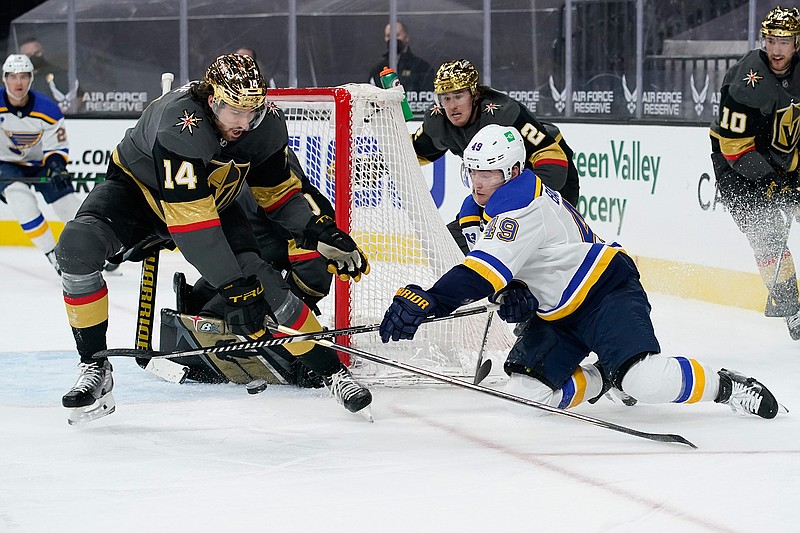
{"x":410,"y":306}
{"x":245,"y":306}
{"x":345,"y":258}
{"x":56,"y":170}
{"x":517,"y":303}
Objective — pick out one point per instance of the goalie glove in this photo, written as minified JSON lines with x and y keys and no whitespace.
{"x":517,"y":303}
{"x":410,"y":306}
{"x":345,"y":258}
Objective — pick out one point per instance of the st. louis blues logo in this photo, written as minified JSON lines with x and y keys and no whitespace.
{"x":22,"y":140}
{"x":188,"y":122}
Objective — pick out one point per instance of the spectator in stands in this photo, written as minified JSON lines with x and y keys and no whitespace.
{"x":414,"y":73}
{"x":755,"y":157}
{"x":33,"y":144}
{"x":246,"y":51}
{"x":49,"y":79}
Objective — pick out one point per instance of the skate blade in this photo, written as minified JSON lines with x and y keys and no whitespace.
{"x":100,"y":408}
{"x":366,"y":413}
{"x":782,"y":408}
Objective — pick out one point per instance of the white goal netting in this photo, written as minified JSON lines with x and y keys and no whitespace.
{"x":355,"y":147}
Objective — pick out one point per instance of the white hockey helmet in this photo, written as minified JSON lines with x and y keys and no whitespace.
{"x":16,"y":63}
{"x":494,"y":147}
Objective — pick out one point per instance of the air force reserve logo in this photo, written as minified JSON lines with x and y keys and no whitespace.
{"x":699,"y":97}
{"x":188,"y":122}
{"x":559,"y":97}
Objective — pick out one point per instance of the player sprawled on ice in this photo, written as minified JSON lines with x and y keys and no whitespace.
{"x":463,"y":107}
{"x":575,"y":293}
{"x":754,"y":150}
{"x":307,"y":272}
{"x":174,"y":177}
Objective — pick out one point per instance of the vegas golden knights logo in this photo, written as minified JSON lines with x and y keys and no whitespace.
{"x":226,"y":180}
{"x":786,"y":128}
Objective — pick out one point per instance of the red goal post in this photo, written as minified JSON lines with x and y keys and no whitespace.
{"x":354,"y":146}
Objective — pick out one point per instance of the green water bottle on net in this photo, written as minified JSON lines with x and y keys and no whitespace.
{"x":389,"y":79}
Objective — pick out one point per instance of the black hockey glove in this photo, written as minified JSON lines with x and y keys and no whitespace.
{"x":517,"y":303}
{"x":410,"y":306}
{"x":245,"y":306}
{"x":56,"y":170}
{"x":345,"y":258}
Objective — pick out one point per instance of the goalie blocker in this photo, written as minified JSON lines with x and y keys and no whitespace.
{"x":273,"y":365}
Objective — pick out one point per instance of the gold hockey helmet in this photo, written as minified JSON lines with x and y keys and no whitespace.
{"x":456,"y":75}
{"x":781,"y":22}
{"x":237,"y":81}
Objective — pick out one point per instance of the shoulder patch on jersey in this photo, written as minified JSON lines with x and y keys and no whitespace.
{"x":436,"y":109}
{"x":515,"y":194}
{"x":491,"y":107}
{"x":752,"y":77}
{"x":188,"y":122}
{"x":273,"y":108}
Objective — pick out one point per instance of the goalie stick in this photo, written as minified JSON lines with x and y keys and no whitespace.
{"x":658,"y":437}
{"x":248,"y":346}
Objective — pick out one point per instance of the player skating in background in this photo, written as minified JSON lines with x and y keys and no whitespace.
{"x":33,"y":144}
{"x":576,"y":293}
{"x":754,"y":150}
{"x":175,"y":175}
{"x":464,"y":106}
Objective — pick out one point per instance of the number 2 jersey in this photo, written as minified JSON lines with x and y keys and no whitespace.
{"x":31,"y":133}
{"x":534,"y":236}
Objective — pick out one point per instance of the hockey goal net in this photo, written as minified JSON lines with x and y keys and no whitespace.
{"x":355,"y":147}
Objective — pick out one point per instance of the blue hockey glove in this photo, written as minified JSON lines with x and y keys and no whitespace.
{"x":56,"y":170}
{"x":517,"y":303}
{"x":410,"y":306}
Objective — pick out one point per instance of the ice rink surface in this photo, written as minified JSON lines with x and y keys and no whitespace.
{"x":197,"y":458}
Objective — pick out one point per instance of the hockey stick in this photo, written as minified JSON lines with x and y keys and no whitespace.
{"x":249,"y":346}
{"x":659,"y":437}
{"x":47,"y":179}
{"x":482,"y":369}
{"x":147,"y":285}
{"x":771,"y":307}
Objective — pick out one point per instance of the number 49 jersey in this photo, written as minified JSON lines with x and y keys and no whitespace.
{"x":535,"y":237}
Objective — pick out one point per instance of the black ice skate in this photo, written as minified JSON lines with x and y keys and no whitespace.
{"x":348,"y":392}
{"x":745,"y":395}
{"x":90,"y":398}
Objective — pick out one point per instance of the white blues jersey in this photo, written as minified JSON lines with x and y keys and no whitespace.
{"x":32,"y":133}
{"x":534,"y":236}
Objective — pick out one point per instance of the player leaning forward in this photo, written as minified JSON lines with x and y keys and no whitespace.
{"x":577,"y":293}
{"x":175,"y":175}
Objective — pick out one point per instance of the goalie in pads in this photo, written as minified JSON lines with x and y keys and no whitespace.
{"x":576,"y":293}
